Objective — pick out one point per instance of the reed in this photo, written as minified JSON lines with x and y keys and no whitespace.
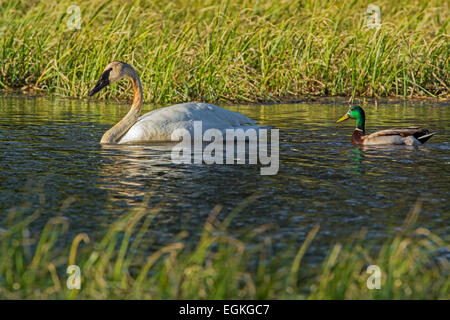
{"x":121,"y":265}
{"x":228,"y":51}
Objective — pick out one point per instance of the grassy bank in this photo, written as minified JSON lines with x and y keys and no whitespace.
{"x":219,"y":266}
{"x":229,"y":51}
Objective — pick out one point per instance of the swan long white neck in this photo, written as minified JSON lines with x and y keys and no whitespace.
{"x":114,"y":134}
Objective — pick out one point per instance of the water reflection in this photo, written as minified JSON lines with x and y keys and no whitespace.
{"x":129,"y":169}
{"x":357,"y":156}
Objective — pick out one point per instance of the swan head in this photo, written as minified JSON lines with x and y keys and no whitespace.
{"x":113,"y":72}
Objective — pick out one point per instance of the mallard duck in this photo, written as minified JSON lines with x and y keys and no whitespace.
{"x":412,"y":136}
{"x":160,"y":124}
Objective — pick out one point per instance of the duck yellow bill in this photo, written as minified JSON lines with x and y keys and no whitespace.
{"x":345,"y":117}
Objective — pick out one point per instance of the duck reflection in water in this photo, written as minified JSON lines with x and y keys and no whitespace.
{"x":357,"y":157}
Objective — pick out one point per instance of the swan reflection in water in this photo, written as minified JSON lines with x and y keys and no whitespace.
{"x":130,"y":172}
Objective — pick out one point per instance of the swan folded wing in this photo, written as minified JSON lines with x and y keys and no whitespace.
{"x":197,"y":112}
{"x":159,"y":124}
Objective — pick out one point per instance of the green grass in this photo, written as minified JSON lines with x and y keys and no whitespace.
{"x":229,"y":51}
{"x":220,"y":266}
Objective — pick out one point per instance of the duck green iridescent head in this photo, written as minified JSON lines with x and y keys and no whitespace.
{"x":357,"y":113}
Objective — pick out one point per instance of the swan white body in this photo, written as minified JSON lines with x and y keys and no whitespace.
{"x":159,"y":124}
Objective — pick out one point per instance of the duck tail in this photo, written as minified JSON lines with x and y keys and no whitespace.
{"x":424,"y":138}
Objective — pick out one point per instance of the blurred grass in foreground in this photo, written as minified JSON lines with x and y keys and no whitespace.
{"x":230,"y":51}
{"x":219,"y":266}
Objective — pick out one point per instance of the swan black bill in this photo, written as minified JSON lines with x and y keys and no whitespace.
{"x":101,"y":83}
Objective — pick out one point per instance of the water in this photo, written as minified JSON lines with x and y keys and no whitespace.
{"x":51,"y":158}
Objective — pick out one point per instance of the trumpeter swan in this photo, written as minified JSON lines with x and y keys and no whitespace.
{"x":159,"y":124}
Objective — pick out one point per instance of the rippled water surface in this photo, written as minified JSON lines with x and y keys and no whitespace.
{"x":50,"y":155}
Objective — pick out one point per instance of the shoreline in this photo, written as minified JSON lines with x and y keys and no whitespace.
{"x":342,"y":100}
